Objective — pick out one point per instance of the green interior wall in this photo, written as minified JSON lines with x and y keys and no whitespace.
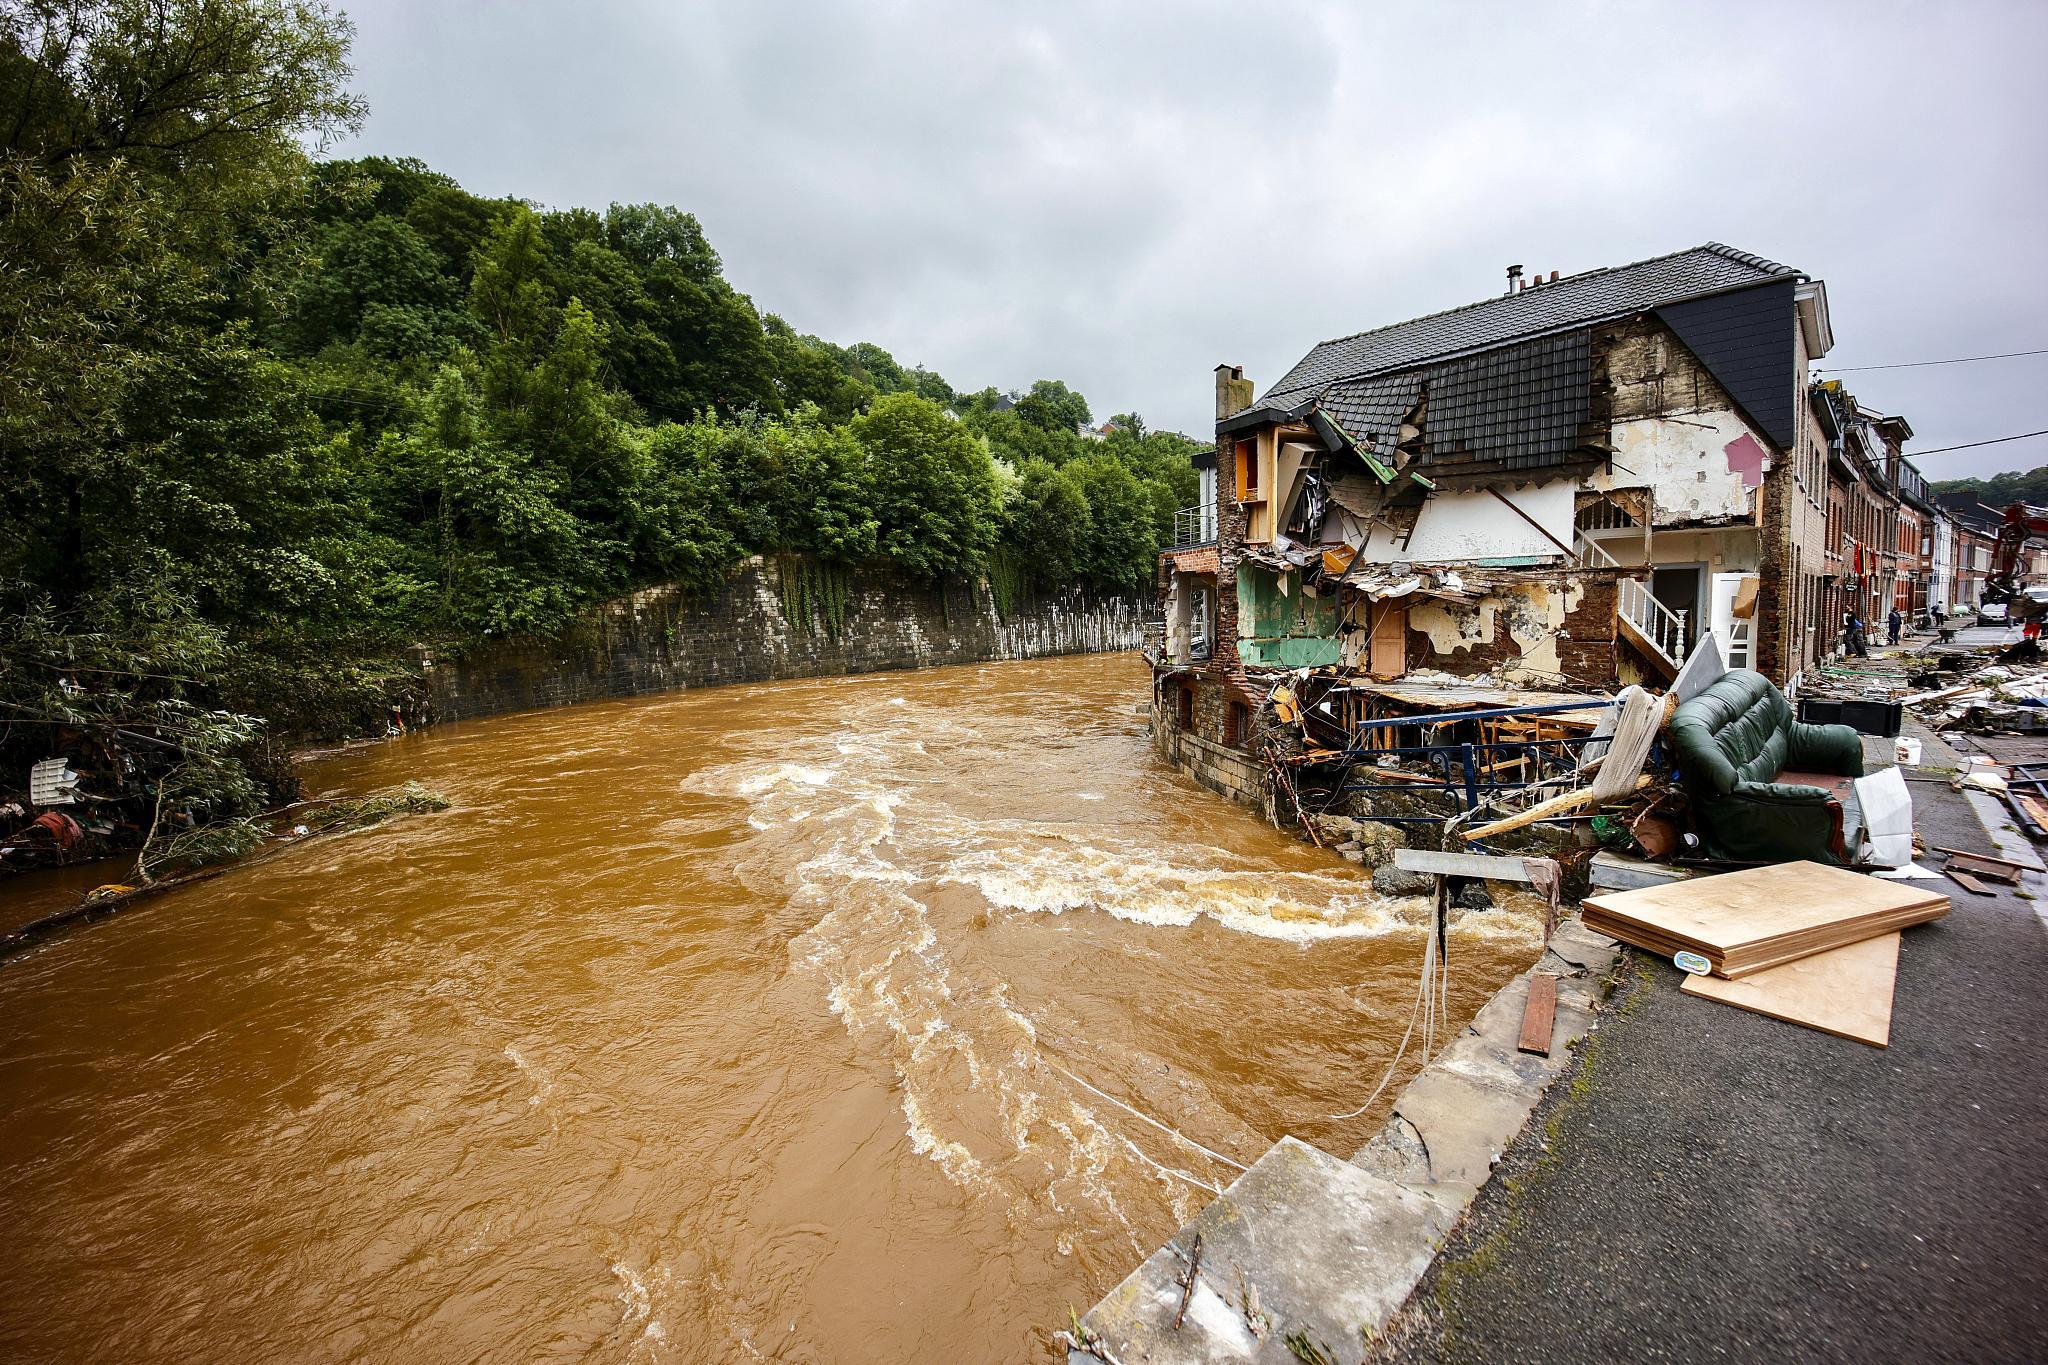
{"x":1289,"y":630}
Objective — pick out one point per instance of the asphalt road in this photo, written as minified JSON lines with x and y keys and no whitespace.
{"x":1719,"y":1186}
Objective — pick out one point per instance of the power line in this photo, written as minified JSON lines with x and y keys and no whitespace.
{"x":1972,"y":445}
{"x":1916,"y":364}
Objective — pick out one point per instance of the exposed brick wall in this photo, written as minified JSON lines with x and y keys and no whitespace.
{"x":1650,"y":373}
{"x":657,"y":640}
{"x":1230,"y":528}
{"x":1585,"y":636}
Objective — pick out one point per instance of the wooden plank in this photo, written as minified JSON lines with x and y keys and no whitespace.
{"x":1967,"y":882}
{"x":1846,"y":991}
{"x":1539,"y":1015}
{"x":1995,"y":868}
{"x":1543,"y":810}
{"x":1489,"y":866}
{"x":1988,"y":858}
{"x":1743,"y":921}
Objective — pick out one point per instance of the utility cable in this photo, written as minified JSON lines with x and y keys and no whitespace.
{"x":1916,"y":364}
{"x":1972,"y":445}
{"x":1174,"y":1132}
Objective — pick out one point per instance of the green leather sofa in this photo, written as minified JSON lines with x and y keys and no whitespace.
{"x":1732,"y":743}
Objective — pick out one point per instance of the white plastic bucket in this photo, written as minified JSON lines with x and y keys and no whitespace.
{"x":1906,"y":752}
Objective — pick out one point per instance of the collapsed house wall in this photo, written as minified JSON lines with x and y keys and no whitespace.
{"x":1279,"y":624}
{"x":1676,"y":431}
{"x":660,"y":639}
{"x":1542,"y":629}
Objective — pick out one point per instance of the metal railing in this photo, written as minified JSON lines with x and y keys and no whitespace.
{"x":1194,"y":525}
{"x":1663,"y":628}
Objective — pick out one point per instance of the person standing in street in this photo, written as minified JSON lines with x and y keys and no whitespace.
{"x":1893,"y":624}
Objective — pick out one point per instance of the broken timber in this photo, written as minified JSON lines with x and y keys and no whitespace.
{"x":1539,"y":1014}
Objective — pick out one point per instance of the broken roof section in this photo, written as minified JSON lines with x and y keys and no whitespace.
{"x":1561,"y":305}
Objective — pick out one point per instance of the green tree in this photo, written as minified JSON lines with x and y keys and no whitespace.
{"x":1052,"y":406}
{"x":1049,"y":524}
{"x":1122,"y":541}
{"x":935,"y":497}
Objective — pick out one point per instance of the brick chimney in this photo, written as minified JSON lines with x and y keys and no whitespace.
{"x":1233,"y":391}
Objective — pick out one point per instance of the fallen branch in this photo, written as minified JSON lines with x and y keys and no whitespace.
{"x":338,"y":817}
{"x":1085,"y":1340}
{"x":1187,"y":1284}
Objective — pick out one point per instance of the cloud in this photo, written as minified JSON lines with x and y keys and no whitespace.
{"x":1123,"y":195}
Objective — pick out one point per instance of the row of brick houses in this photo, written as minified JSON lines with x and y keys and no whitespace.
{"x":1563,"y":486}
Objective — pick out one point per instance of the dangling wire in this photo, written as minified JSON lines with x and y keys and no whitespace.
{"x":1432,"y":997}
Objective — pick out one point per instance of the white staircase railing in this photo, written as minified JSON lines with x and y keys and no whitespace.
{"x":1656,"y":625}
{"x":1591,"y":552}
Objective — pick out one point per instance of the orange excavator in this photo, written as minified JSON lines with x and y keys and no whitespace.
{"x":2018,"y":526}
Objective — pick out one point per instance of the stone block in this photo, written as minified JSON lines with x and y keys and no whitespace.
{"x":1331,"y":1249}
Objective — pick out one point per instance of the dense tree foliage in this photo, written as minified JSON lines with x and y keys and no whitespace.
{"x":269,"y":419}
{"x":2001,"y":490}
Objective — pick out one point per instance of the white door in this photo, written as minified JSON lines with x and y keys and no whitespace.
{"x":1734,"y":632}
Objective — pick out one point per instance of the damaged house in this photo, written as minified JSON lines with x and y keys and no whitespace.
{"x":1561,"y":487}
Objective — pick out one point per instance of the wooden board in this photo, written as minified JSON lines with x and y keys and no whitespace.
{"x":1967,"y":882}
{"x":1995,"y":868}
{"x":1747,"y":921}
{"x":1989,"y":858}
{"x":1845,"y":991}
{"x":1539,"y":1015}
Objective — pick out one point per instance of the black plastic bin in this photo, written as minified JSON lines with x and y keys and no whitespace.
{"x":1864,"y":717}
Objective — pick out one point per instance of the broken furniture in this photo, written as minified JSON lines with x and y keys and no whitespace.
{"x":1736,"y":745}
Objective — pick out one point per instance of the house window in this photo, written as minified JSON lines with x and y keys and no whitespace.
{"x":1236,"y":723}
{"x":1184,"y":714}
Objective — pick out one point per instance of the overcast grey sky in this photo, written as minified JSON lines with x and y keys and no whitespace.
{"x":1124,"y":195}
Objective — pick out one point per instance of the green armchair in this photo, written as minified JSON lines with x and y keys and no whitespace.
{"x":1733,"y":742}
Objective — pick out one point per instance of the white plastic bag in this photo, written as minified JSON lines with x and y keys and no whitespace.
{"x":1887,"y":809}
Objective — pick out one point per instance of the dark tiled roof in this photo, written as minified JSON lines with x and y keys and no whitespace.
{"x":1370,"y":410}
{"x":1523,"y":406}
{"x":1515,"y":407}
{"x":1574,"y":301}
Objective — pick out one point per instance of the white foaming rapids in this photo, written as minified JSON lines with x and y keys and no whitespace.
{"x":1133,"y":884}
{"x":864,"y":807}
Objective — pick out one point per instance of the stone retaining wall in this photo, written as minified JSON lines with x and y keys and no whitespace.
{"x":1223,"y":770}
{"x":659,"y":639}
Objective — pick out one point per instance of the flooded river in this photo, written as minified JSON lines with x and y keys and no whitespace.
{"x":729,"y":1025}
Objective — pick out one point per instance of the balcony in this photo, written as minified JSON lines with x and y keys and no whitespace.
{"x":1193,"y":526}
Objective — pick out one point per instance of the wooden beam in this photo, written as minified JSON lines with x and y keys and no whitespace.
{"x":1540,"y":529}
{"x":1555,"y":806}
{"x":1539,"y":1015}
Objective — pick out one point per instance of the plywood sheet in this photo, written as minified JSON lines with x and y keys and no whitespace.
{"x":1745,"y":921}
{"x":1845,"y":991}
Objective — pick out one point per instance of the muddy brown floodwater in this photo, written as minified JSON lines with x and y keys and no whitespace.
{"x":735,"y":1024}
